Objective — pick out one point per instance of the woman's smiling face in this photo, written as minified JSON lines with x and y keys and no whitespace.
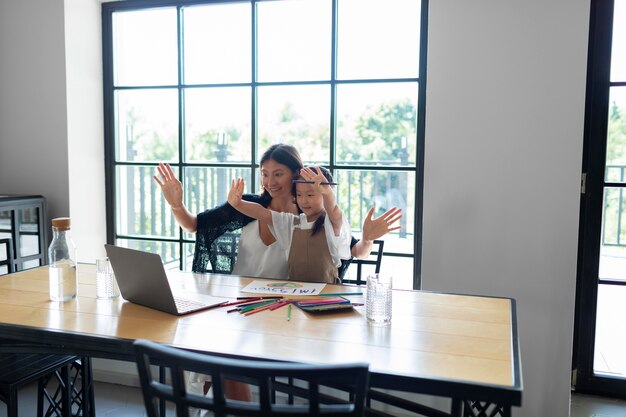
{"x":276,"y":178}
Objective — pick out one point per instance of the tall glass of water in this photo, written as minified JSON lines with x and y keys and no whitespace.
{"x":378,"y":299}
{"x":106,"y":284}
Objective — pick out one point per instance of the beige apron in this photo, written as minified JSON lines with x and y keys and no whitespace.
{"x":309,"y":258}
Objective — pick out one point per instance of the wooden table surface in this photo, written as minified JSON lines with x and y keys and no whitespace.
{"x":435,"y":340}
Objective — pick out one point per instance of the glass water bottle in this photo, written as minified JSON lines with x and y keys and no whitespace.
{"x":62,"y":259}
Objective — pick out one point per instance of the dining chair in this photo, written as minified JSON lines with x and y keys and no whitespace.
{"x":348,"y":384}
{"x":375,"y":259}
{"x":224,"y":253}
{"x":6,"y":248}
{"x":64,"y":382}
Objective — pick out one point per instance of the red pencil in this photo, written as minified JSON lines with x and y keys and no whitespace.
{"x":234,"y":303}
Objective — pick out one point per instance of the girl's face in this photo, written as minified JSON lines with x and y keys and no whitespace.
{"x":310,"y":201}
{"x":276,"y":178}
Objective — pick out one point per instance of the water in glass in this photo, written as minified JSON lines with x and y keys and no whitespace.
{"x":378,"y":299}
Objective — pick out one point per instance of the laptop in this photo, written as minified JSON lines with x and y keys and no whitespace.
{"x":142,"y":280}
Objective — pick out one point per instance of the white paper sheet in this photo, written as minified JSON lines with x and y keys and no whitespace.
{"x":284,"y":287}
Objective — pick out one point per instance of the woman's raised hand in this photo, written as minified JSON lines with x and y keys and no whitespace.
{"x":381,"y":225}
{"x":236,"y":192}
{"x":171,"y":188}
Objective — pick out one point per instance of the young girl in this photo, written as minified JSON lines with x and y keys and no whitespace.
{"x":317,"y":239}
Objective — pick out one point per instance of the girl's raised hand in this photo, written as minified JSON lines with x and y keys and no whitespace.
{"x":317,"y":177}
{"x":171,"y":188}
{"x":236,"y":192}
{"x":381,"y":225}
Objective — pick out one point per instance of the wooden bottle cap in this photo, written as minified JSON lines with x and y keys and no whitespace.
{"x":61,"y":223}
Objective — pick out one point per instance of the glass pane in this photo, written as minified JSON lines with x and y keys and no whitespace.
{"x":217,"y":124}
{"x":610,"y":343}
{"x":146,"y":125}
{"x":401,"y":269}
{"x":4,"y":269}
{"x":360,"y":190}
{"x":613,"y":250}
{"x":294,"y":40}
{"x":29,"y":231}
{"x":188,"y":261}
{"x":169,"y":251}
{"x":377,"y":124}
{"x":217,"y":44}
{"x":33,"y":263}
{"x":618,"y":49}
{"x":297,"y":115}
{"x":144,"y":47}
{"x":4,"y":255}
{"x":5,"y":224}
{"x":206,"y":188}
{"x":141,"y":208}
{"x":378,"y":39}
{"x":616,"y":136}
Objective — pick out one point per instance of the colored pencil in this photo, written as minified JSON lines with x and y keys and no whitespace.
{"x":289,"y":312}
{"x":258,"y":309}
{"x":279,"y":305}
{"x":254,"y":306}
{"x":234,"y":303}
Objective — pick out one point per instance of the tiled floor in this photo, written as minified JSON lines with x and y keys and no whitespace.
{"x":592,"y":406}
{"x":123,"y":401}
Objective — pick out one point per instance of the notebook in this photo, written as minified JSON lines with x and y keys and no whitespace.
{"x":142,"y":280}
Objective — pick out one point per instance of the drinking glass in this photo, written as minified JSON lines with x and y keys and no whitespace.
{"x":106,"y":285}
{"x":378,"y":299}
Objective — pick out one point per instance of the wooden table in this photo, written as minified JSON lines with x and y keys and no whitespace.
{"x":457,"y":346}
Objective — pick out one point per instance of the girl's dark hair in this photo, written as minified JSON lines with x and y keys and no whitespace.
{"x":286,"y":155}
{"x":319,"y":223}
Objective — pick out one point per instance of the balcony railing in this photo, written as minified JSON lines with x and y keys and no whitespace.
{"x":143,"y":213}
{"x":613,"y":209}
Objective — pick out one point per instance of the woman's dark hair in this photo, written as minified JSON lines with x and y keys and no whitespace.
{"x":319,"y":223}
{"x":286,"y":155}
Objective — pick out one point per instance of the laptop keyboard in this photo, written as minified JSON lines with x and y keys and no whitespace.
{"x":183,"y":304}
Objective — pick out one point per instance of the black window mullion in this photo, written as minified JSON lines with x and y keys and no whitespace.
{"x":333,"y":87}
{"x":181,"y":124}
{"x":253,"y":98}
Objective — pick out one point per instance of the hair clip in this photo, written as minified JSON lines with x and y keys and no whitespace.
{"x":313,"y":182}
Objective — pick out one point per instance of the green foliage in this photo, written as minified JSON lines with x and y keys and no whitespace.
{"x":616,"y":137}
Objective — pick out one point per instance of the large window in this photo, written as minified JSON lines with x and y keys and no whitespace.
{"x":208,"y":86}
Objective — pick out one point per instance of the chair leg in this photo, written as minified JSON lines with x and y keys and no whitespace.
{"x":89,"y":401}
{"x":12,"y":403}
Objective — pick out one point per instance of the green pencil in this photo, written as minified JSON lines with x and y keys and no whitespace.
{"x":289,"y":312}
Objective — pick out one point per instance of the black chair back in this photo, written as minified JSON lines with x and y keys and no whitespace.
{"x":375,"y":258}
{"x":352,"y":380}
{"x":6,"y":265}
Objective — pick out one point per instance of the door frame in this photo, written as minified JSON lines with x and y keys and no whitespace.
{"x":591,"y":205}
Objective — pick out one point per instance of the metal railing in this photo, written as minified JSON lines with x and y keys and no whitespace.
{"x":613,"y":209}
{"x":144,"y":215}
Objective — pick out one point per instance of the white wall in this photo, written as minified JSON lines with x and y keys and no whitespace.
{"x":51,"y":126}
{"x":33,"y":110}
{"x":504,"y":134}
{"x":506,"y":84}
{"x":83,"y":40}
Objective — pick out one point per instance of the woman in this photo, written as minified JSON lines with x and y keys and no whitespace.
{"x":258,"y":254}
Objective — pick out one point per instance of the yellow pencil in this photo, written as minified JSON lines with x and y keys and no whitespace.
{"x":289,"y":313}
